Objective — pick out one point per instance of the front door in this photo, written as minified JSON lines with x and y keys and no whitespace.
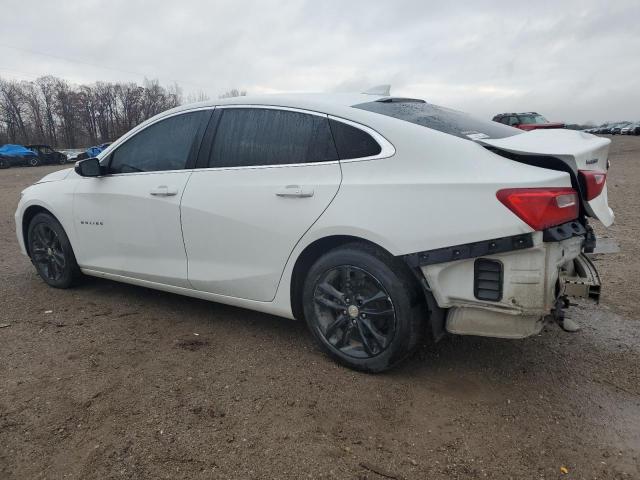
{"x":128,"y":221}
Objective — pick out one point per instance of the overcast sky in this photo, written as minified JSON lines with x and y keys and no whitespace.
{"x":571,"y":60}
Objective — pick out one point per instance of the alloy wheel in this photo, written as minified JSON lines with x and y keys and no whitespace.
{"x":354,"y":311}
{"x":47,"y":252}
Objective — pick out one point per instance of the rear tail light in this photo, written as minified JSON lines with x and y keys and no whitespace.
{"x":541,"y":208}
{"x":593,"y":182}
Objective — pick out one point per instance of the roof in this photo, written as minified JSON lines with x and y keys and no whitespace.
{"x":325,"y":102}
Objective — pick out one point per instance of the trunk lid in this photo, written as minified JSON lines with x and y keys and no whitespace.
{"x":577,"y":151}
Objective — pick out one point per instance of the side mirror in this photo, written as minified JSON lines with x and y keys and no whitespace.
{"x":89,"y":167}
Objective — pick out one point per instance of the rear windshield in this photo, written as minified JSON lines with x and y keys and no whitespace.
{"x":442,"y":119}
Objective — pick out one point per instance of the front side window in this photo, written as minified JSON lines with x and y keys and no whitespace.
{"x":165,"y":145}
{"x":259,"y":136}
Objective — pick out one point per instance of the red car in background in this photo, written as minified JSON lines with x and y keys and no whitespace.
{"x":526,"y":121}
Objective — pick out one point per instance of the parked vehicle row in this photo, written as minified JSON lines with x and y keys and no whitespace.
{"x":375,"y":219}
{"x":30,"y":155}
{"x":623,"y":128}
{"x":36,"y":154}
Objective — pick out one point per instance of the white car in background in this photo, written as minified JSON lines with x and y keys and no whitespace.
{"x":375,"y":219}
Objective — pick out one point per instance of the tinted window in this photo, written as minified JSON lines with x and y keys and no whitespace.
{"x":164,"y":145}
{"x":442,"y":119}
{"x":258,"y":136}
{"x":352,"y":142}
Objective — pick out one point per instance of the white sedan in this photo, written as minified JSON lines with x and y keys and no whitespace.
{"x":376,"y":219}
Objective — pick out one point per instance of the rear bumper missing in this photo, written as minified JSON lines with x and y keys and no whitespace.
{"x":528,"y":282}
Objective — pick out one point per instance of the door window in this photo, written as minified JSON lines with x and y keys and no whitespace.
{"x":165,"y":145}
{"x":259,"y":136}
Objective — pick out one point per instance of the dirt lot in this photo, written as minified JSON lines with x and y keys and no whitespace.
{"x":115,"y":381}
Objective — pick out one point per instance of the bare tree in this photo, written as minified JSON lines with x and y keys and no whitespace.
{"x":46,"y":86}
{"x":50,"y":110}
{"x":234,"y":92}
{"x":13,"y":109}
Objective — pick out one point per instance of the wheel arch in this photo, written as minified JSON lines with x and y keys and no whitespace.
{"x":30,"y":212}
{"x":308,"y":257}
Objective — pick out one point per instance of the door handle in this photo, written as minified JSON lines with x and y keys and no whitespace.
{"x":295,"y":191}
{"x":163,"y":191}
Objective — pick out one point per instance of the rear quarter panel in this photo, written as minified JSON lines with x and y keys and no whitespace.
{"x":436,"y":191}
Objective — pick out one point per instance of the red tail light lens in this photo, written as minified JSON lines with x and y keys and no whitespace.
{"x":593,"y":181}
{"x":541,"y":208}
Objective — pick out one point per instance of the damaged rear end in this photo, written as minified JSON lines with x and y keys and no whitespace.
{"x":520,"y":282}
{"x":516,"y":291}
{"x":508,"y":287}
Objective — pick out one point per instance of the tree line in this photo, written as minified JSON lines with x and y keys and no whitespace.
{"x":52,"y":111}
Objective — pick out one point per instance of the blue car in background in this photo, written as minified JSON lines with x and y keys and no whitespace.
{"x":17,"y":155}
{"x":92,"y":151}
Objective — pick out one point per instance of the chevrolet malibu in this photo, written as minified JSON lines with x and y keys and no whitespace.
{"x":376,"y":219}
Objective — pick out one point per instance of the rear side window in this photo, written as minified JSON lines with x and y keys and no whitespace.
{"x":258,"y":136}
{"x":442,"y":119}
{"x":165,"y":145}
{"x":352,"y":142}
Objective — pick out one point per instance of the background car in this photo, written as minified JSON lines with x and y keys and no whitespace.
{"x":617,"y":128}
{"x":526,"y":121}
{"x":92,"y":151}
{"x":18,"y":155}
{"x":47,"y":155}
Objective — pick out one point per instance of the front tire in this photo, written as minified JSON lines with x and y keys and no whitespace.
{"x":51,"y":252}
{"x":363,"y":307}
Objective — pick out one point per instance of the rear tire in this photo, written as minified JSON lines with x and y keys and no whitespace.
{"x":363,"y":307}
{"x":51,"y":252}
{"x":33,"y":161}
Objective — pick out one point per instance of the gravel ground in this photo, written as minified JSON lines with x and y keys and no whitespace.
{"x":115,"y":381}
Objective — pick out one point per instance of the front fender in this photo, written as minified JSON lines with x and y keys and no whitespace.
{"x":55,"y":198}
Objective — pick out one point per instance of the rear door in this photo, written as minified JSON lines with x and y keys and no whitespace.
{"x":266,"y":176}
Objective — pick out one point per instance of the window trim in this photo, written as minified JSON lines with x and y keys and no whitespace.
{"x":189,"y":166}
